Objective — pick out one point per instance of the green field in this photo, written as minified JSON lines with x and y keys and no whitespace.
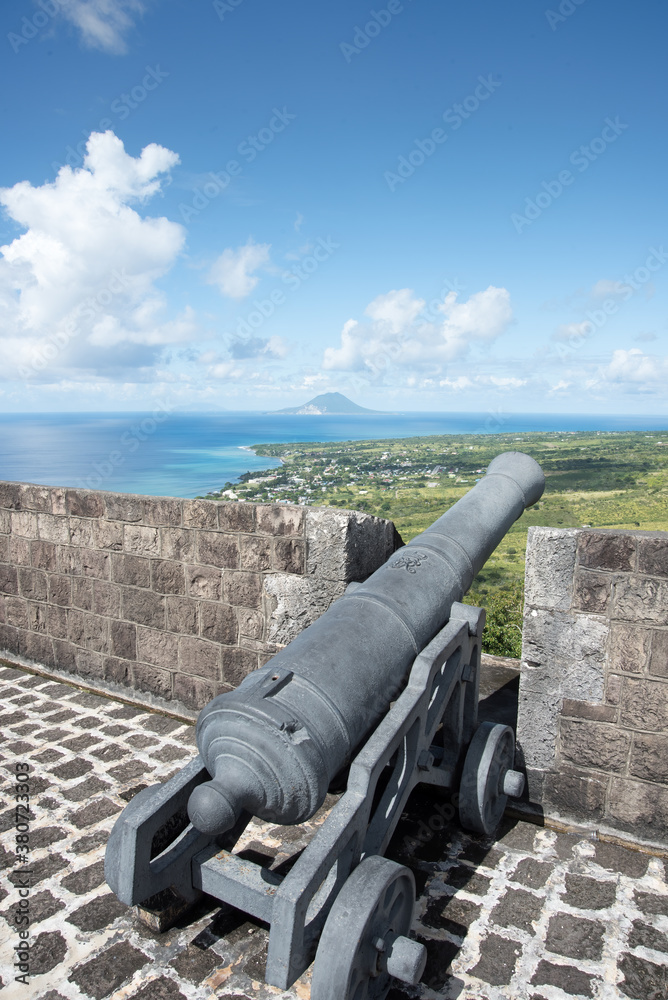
{"x":602,"y":480}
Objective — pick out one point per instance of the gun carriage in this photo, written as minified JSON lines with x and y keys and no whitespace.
{"x":385,"y":683}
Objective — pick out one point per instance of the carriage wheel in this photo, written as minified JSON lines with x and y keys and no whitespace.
{"x":363,"y":944}
{"x":488,"y":778}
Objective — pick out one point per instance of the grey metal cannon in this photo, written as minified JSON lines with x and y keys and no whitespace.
{"x":386,"y":681}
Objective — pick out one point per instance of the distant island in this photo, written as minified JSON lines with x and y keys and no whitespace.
{"x":328,"y":402}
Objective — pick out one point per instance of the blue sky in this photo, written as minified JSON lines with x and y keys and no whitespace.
{"x":239,"y":204}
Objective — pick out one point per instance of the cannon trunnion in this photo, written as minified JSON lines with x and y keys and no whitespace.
{"x":386,"y":681}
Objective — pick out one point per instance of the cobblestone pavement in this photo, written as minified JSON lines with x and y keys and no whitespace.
{"x":534,"y":915}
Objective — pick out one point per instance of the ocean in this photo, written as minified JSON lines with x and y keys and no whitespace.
{"x":188,"y":455}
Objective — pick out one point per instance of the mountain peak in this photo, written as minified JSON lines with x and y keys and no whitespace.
{"x":328,"y":402}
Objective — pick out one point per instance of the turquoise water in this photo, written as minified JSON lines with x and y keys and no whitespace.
{"x":187,"y":455}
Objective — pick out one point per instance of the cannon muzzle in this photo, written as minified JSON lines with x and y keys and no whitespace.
{"x":273,"y":745}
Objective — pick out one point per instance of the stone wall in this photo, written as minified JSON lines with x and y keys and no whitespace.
{"x":179,"y":599}
{"x":593,"y":710}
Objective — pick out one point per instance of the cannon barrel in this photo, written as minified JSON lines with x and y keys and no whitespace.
{"x":274,"y":744}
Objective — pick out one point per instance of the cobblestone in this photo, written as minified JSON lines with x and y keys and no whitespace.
{"x":534,"y":915}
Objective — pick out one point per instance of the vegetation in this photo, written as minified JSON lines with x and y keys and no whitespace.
{"x":602,"y":479}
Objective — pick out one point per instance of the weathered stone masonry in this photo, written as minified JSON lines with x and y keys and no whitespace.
{"x":593,"y":712}
{"x":176,"y":598}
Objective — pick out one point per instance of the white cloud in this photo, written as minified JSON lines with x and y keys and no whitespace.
{"x":606,"y":289}
{"x":574,"y":332}
{"x":103,"y":23}
{"x":233,"y":270}
{"x":397,"y":336}
{"x":633,"y":368}
{"x":397,"y":310}
{"x":80,"y":280}
{"x":464,"y":382}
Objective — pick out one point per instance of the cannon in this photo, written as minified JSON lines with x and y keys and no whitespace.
{"x":379,"y":694}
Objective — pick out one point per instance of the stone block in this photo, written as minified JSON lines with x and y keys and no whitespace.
{"x":182,"y":615}
{"x":642,"y":978}
{"x":85,"y":503}
{"x":639,"y":807}
{"x":37,"y":617}
{"x":10,"y":495}
{"x":168,"y":577}
{"x":157,"y":648}
{"x":653,"y":555}
{"x":644,"y":705}
{"x":280,"y":519}
{"x":640,"y":599}
{"x":43,"y":555}
{"x":82,"y":531}
{"x":95,"y":564}
{"x":242,"y":589}
{"x":24,"y":524}
{"x":593,"y":744}
{"x":200,"y":514}
{"x":585,"y":710}
{"x":58,"y":500}
{"x":118,"y":670}
{"x":75,"y":626}
{"x":106,"y":599}
{"x":178,"y":544}
{"x":629,"y":648}
{"x":134,"y":571}
{"x":59,"y":589}
{"x":369,"y":542}
{"x":293,"y":602}
{"x":575,"y":795}
{"x":215,"y":548}
{"x":649,"y":758}
{"x":574,"y":937}
{"x":37,"y":647}
{"x":591,"y":592}
{"x":5,"y":521}
{"x":32,"y":584}
{"x":163,"y":511}
{"x":108,"y":535}
{"x":19,"y":550}
{"x":141,"y":540}
{"x":658,"y":662}
{"x":57,"y":622}
{"x":326,"y":533}
{"x":236,"y":516}
{"x":613,"y":689}
{"x":123,"y":640}
{"x":16,"y":612}
{"x":123,"y":507}
{"x":288,"y":555}
{"x":218,"y":623}
{"x":250,"y":623}
{"x":199,"y":657}
{"x":34,"y":497}
{"x":143,"y":607}
{"x":237,"y":663}
{"x":53,"y":528}
{"x":4,"y":548}
{"x":82,"y":593}
{"x":96,"y":633}
{"x":153,"y":679}
{"x":606,"y":550}
{"x":65,"y":655}
{"x":9,"y":639}
{"x":193,"y":692}
{"x":9,"y":580}
{"x":203,"y":582}
{"x":254,"y":553}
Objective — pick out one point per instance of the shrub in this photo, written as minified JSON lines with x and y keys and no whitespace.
{"x":502,"y":635}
